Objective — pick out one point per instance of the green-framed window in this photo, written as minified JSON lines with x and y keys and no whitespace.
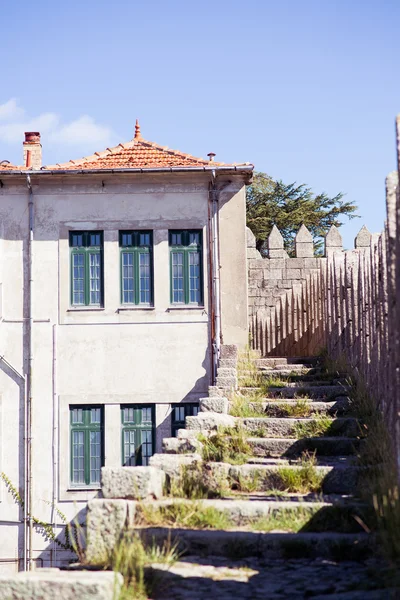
{"x":87,"y":444}
{"x":138,"y":433}
{"x":136,"y":249}
{"x":179,"y":414}
{"x":86,"y":268}
{"x":186,"y":266}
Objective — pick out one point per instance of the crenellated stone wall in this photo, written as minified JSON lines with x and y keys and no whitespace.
{"x":348,"y":303}
{"x":269,"y":279}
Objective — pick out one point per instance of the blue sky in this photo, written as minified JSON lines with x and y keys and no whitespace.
{"x":306,"y":90}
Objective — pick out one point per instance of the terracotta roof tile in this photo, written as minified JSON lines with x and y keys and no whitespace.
{"x":136,"y":154}
{"x":5,"y":165}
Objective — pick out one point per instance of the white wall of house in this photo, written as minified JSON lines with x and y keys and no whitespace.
{"x":112,"y":355}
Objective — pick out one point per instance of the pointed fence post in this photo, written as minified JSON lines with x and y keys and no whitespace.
{"x":304,"y":244}
{"x":362,"y":239}
{"x":275,"y":244}
{"x":333,"y":241}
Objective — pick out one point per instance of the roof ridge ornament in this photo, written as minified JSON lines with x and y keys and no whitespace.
{"x":138,"y":135}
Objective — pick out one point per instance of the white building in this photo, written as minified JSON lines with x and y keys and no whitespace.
{"x":111,"y":305}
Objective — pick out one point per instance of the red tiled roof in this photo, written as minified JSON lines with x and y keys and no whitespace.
{"x":137,"y":154}
{"x":5,"y":165}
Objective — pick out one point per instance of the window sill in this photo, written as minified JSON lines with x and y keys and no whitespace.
{"x":136,"y":307}
{"x":185,"y":307}
{"x":84,"y":489}
{"x":85,"y":309}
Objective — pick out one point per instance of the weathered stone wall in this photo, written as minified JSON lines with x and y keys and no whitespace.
{"x":350,"y":304}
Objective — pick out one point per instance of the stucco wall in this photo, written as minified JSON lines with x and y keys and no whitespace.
{"x":111,"y":355}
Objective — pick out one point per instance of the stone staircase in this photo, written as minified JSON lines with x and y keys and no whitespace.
{"x":265,"y":480}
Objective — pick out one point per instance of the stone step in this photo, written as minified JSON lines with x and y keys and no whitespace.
{"x":329,"y":392}
{"x":288,"y":427}
{"x":340,"y":479}
{"x":316,"y":515}
{"x":307,"y":362}
{"x":292,"y":447}
{"x":286,"y":408}
{"x":242,"y":544}
{"x":291,"y":379}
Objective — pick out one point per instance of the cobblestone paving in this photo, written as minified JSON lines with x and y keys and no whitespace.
{"x":195,"y":578}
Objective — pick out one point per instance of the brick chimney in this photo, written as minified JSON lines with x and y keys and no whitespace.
{"x":32,"y":150}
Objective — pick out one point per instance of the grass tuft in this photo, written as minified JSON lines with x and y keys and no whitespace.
{"x":304,"y":479}
{"x":228,"y":444}
{"x":247,"y":406}
{"x":131,"y":556}
{"x":318,"y":426}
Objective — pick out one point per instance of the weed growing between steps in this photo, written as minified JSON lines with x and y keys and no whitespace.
{"x":132,"y":557}
{"x":286,"y":520}
{"x":196,"y":482}
{"x":179,"y":514}
{"x":304,"y":479}
{"x":317,"y":427}
{"x":300,"y":409}
{"x":228,"y":444}
{"x":247,"y":406}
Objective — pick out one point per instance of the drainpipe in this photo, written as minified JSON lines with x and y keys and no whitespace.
{"x":28,"y":404}
{"x":216,"y":342}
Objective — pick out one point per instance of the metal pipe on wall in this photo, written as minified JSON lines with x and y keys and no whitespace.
{"x":28,"y":527}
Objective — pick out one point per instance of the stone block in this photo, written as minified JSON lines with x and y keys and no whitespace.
{"x":229,"y":381}
{"x":304,"y":250}
{"x":250,"y":238}
{"x":229,"y":363}
{"x":171,"y":464}
{"x":312,"y":263}
{"x":226,"y":371}
{"x":277,"y":253}
{"x":215,"y":391}
{"x":255,"y":274}
{"x":105,"y":522}
{"x":229,"y":351}
{"x":216,"y":405}
{"x":253,"y":253}
{"x":135,"y":483}
{"x":187,"y":445}
{"x":293,"y":274}
{"x":273,"y":274}
{"x":47,"y":584}
{"x":256,"y":263}
{"x":208,"y":421}
{"x":363,"y":238}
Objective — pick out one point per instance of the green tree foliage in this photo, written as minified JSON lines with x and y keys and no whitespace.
{"x":270,"y":202}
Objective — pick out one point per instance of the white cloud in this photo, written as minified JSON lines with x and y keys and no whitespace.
{"x":81,"y":132}
{"x":10,"y":110}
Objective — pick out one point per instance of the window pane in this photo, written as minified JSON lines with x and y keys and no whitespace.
{"x":176,"y":239}
{"x":128,"y":415}
{"x":144,"y":239}
{"x":78,"y":461}
{"x":127,"y":239}
{"x":77,"y":415}
{"x":194,"y":238}
{"x":195,"y":411}
{"x":78,"y":278}
{"x":179,"y":414}
{"x":129,"y":448}
{"x":147,"y":415}
{"x":144,"y":277}
{"x":128,"y":290}
{"x":77,"y":240}
{"x":94,"y":239}
{"x":194,"y":277}
{"x":94,"y":274}
{"x":177,"y":277}
{"x":147,"y":446}
{"x":95,"y":456}
{"x":95,"y":415}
